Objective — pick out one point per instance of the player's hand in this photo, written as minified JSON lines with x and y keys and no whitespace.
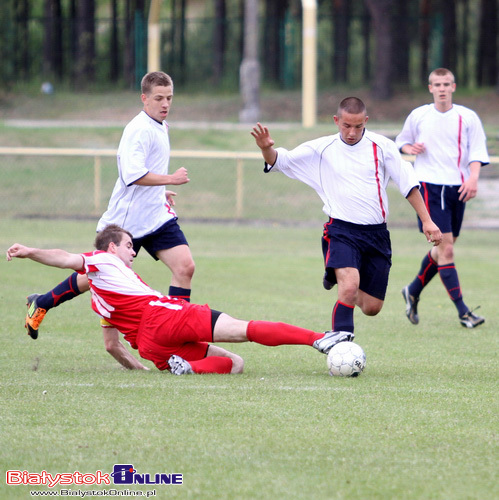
{"x":169,"y":197}
{"x":262,"y":136}
{"x":17,"y":251}
{"x":180,"y":177}
{"x":417,"y":148}
{"x":432,"y":233}
{"x":468,"y":189}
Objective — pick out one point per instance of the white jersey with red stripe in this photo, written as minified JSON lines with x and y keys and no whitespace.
{"x":452,"y":140}
{"x":144,"y":148}
{"x":119,"y":295}
{"x":351,"y":180}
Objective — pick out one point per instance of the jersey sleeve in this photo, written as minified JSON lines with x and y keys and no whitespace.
{"x":477,"y":141}
{"x":301,"y":163}
{"x":132,"y":155}
{"x":400,"y":171}
{"x":407,"y":135}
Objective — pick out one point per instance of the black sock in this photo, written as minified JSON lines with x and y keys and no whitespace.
{"x":180,"y":293}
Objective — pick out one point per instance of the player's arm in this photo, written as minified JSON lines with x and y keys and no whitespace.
{"x":469,"y":188}
{"x":54,"y":257}
{"x":151,"y":179}
{"x":265,"y":143}
{"x":430,"y":229}
{"x":118,"y":351}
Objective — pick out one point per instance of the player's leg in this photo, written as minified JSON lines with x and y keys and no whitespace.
{"x":268,"y":333}
{"x":169,"y":245}
{"x":39,"y":304}
{"x":217,"y":360}
{"x":411,"y":292}
{"x":180,"y":262}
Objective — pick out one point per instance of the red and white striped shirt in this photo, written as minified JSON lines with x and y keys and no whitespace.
{"x":118,"y":294}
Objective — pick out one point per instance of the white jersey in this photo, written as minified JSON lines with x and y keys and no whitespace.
{"x":144,"y":147}
{"x":452,"y":141}
{"x":350,"y":180}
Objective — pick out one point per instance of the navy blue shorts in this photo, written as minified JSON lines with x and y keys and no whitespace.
{"x":366,"y":248}
{"x":169,"y":235}
{"x":444,"y":207}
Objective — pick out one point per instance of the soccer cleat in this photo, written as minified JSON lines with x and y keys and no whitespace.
{"x":411,"y":306}
{"x":330,"y":339}
{"x":34,"y":316}
{"x":179,"y":366}
{"x":471,"y":320}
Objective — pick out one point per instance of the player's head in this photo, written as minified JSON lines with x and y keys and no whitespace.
{"x":351,"y":119}
{"x":157,"y":95}
{"x":118,"y":241}
{"x":155,"y":79}
{"x":442,"y":85}
{"x":440,"y":72}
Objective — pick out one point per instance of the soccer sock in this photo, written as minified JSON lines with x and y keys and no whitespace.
{"x":448,"y":275}
{"x":65,"y":290}
{"x":212,"y":364}
{"x":342,"y":317}
{"x":428,"y":270}
{"x":272,"y":334}
{"x":180,"y":293}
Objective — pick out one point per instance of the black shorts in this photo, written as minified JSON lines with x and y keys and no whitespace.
{"x":169,"y":235}
{"x":366,"y":248}
{"x":444,"y":207}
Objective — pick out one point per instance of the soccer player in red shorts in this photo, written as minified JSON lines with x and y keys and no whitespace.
{"x":172,"y":333}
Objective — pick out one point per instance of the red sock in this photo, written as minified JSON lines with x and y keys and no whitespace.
{"x":273,"y":334}
{"x":212,"y":364}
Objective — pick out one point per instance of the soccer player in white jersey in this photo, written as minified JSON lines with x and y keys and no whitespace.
{"x":450,"y":147}
{"x":171,"y":332}
{"x":139,"y":202}
{"x":350,"y":171}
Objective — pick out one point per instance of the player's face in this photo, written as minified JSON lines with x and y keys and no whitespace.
{"x":351,"y":126}
{"x":125,"y":250}
{"x":442,"y":88}
{"x":157,"y":103}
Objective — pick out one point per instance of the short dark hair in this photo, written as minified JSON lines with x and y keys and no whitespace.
{"x":154,"y":79}
{"x":441,"y":72}
{"x":352,"y":105}
{"x":110,"y":234}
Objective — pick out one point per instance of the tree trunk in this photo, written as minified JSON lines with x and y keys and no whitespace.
{"x":85,"y":67}
{"x":381,"y":14}
{"x":341,"y":31}
{"x":249,"y":72}
{"x":425,"y":40}
{"x":449,"y":58}
{"x":114,"y":60}
{"x":219,"y":40}
{"x":487,"y":46}
{"x":401,"y":41}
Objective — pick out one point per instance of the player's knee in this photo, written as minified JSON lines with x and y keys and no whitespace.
{"x":371,"y":308}
{"x":237,"y":364}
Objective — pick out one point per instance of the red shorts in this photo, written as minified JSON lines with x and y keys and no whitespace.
{"x":174,"y":327}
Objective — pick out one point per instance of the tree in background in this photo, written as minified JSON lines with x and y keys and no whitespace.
{"x":380,"y":11}
{"x":85,"y":48}
{"x":488,"y":46}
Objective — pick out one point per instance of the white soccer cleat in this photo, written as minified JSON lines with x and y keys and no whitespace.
{"x":179,"y":366}
{"x":330,"y":339}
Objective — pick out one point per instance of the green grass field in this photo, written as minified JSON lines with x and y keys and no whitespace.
{"x":419,"y":423}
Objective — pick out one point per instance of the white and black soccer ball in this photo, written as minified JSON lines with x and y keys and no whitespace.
{"x":346,"y":359}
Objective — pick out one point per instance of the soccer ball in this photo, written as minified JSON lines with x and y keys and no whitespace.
{"x":346,"y":359}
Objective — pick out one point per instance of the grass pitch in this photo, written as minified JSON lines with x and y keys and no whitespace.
{"x":419,"y":423}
